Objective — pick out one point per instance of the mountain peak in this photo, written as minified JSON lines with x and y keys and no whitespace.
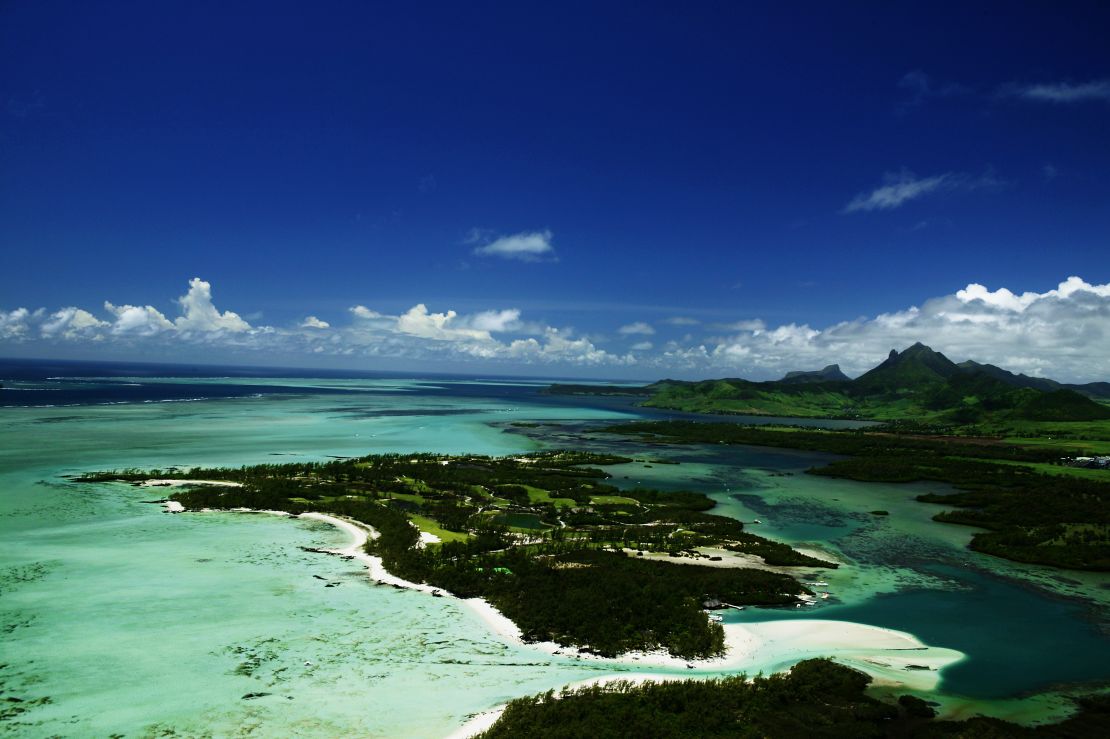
{"x":919,"y":348}
{"x":829,"y":373}
{"x":916,"y":364}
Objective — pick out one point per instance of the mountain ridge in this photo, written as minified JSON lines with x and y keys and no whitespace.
{"x":917,"y":383}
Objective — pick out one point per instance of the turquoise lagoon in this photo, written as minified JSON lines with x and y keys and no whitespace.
{"x":120,"y":618}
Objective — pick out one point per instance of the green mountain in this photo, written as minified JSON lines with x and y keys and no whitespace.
{"x":831,"y":373}
{"x":917,"y":383}
{"x":1096,"y":390}
{"x":915,"y":368}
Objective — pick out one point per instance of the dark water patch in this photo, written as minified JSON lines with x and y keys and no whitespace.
{"x":1018,"y":640}
{"x":68,"y":393}
{"x":800,"y":511}
{"x":398,"y":412}
{"x":60,"y":419}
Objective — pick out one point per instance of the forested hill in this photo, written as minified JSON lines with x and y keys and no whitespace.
{"x":917,"y":383}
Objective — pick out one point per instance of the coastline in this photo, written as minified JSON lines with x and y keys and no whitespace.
{"x":891,"y":658}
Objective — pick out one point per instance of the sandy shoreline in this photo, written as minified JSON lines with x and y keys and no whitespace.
{"x":890,"y":657}
{"x":154,"y":483}
{"x":360,"y":534}
{"x":729,"y":559}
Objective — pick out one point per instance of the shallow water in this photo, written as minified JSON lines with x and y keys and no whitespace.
{"x":1023,"y":628}
{"x":118,"y":617}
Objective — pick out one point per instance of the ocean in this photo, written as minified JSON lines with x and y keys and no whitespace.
{"x":119,"y":618}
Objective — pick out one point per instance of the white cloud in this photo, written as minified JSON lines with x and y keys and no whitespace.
{"x":14,"y":323}
{"x":201,"y":315}
{"x":639,"y":328}
{"x":899,"y":188}
{"x":753,"y":324}
{"x":134,"y":320}
{"x":70,"y":323}
{"x":361,"y":311}
{"x":1063,"y":333}
{"x":681,"y":321}
{"x":525,"y":246}
{"x":417,"y":321}
{"x":496,"y":321}
{"x":560,"y":346}
{"x":314,"y":322}
{"x":1063,"y":92}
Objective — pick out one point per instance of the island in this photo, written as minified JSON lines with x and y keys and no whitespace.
{"x":541,"y":537}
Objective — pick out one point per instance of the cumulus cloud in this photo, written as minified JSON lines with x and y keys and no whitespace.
{"x":902,"y":187}
{"x":361,"y":311}
{"x":1062,"y":92}
{"x":417,"y":321}
{"x":561,"y":346}
{"x":1063,"y":333}
{"x":495,"y":321}
{"x":639,"y":328}
{"x":70,"y":323}
{"x":14,"y":323}
{"x":199,"y":314}
{"x":314,"y":322}
{"x":525,"y":246}
{"x":134,"y":320}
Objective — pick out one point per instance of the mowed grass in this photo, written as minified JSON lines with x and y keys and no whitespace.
{"x":432,"y":527}
{"x":536,"y":495}
{"x":613,"y":500}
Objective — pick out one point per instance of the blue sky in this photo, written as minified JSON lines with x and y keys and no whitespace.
{"x":541,"y":176}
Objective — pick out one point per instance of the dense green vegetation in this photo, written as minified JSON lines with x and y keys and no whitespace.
{"x":1030,"y":515}
{"x":918,"y":384}
{"x":817,"y":698}
{"x":562,"y":574}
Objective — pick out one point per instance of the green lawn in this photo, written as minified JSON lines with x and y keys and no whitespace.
{"x":613,"y":500}
{"x":536,"y":495}
{"x":428,"y":525}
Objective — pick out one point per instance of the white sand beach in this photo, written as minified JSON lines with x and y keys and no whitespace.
{"x":359,"y":536}
{"x":891,"y":657}
{"x":715,"y":557}
{"x":157,"y":483}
